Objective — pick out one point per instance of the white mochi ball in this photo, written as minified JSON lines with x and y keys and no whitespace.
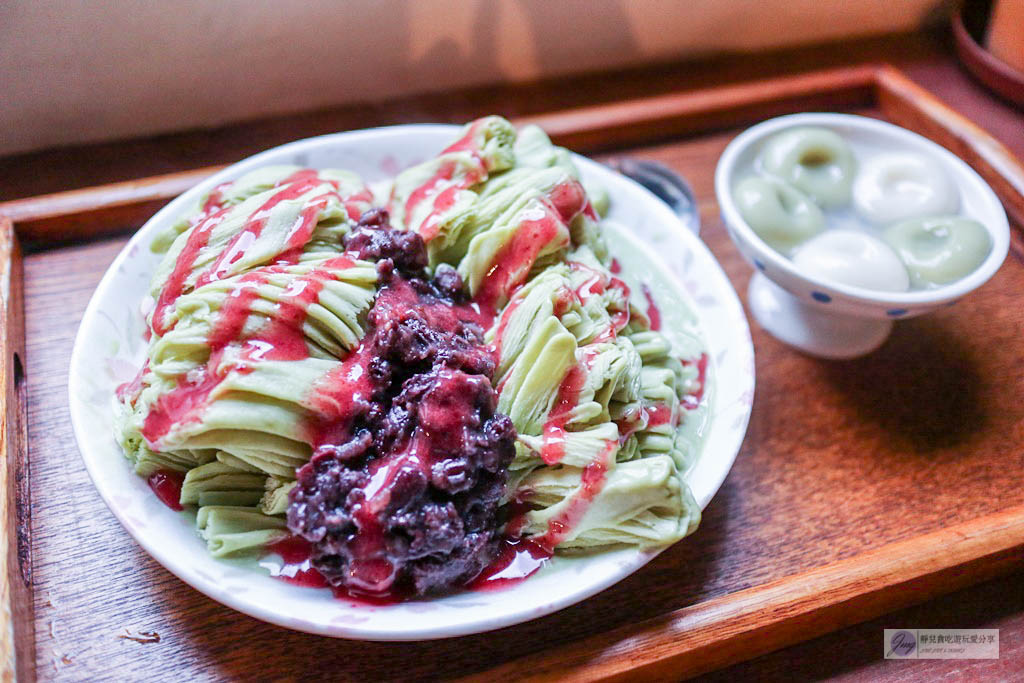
{"x":853,"y":258}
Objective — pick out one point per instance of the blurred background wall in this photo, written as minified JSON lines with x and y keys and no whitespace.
{"x":87,"y":71}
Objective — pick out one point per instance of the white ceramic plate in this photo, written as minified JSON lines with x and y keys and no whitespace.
{"x":109,"y":349}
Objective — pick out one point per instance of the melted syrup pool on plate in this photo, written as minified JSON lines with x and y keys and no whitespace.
{"x":517,"y":560}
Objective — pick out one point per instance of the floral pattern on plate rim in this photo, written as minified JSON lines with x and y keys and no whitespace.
{"x":108,"y":333}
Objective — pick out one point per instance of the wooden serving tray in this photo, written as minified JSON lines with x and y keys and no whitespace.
{"x":862,"y":486}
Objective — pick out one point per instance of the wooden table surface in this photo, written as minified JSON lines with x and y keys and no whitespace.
{"x":852,"y":653}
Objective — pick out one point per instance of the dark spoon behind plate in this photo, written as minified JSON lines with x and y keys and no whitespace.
{"x":665,"y":183}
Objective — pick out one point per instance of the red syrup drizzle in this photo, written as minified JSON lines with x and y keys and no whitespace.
{"x":591,"y":482}
{"x":339,"y":395}
{"x":348,"y":389}
{"x":301,"y":231}
{"x":175,"y":284}
{"x":653,"y":312}
{"x":296,"y":570}
{"x":568,"y":397}
{"x":616,"y":267}
{"x":293,"y":187}
{"x":553,"y":451}
{"x":166,"y":484}
{"x":499,"y":332}
{"x":658,"y":415}
{"x":596,"y":285}
{"x":444,"y":413}
{"x":468,"y":142}
{"x":280,"y":338}
{"x":344,"y":391}
{"x":215,"y":200}
{"x":129,"y":391}
{"x":338,"y":391}
{"x":514,"y":260}
{"x":295,"y":553}
{"x":432,"y":188}
{"x":570,"y":199}
{"x":356,"y":204}
{"x":692,"y":401}
{"x":442,"y":190}
{"x":554,"y":435}
{"x":445,"y":199}
{"x":517,"y":560}
{"x":213,"y":214}
{"x":645,"y":417}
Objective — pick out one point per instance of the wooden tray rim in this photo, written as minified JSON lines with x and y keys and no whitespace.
{"x":61,"y":216}
{"x":719,"y":632}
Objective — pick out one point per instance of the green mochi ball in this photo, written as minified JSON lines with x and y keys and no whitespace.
{"x":816,"y":161}
{"x":939,"y":249}
{"x":781,"y":215}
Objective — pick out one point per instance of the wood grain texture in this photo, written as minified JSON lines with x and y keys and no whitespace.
{"x":17,"y":629}
{"x":926,"y":430}
{"x":91,"y":212}
{"x":707,"y":636}
{"x":854,"y":654}
{"x":829,"y":446}
{"x":63,"y":216}
{"x":616,"y":124}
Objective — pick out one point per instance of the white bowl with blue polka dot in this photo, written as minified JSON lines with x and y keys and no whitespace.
{"x":977,"y":201}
